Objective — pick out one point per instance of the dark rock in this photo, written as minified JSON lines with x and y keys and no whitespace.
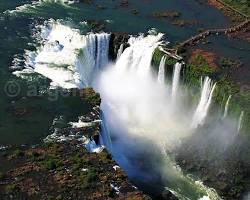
{"x":96,"y":138}
{"x":124,"y":3}
{"x":116,"y":39}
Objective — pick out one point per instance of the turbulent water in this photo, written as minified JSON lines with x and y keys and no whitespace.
{"x":137,"y":111}
{"x":68,"y":58}
{"x":142,"y":117}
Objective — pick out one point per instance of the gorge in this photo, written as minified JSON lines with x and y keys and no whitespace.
{"x":177,"y":129}
{"x":136,"y":103}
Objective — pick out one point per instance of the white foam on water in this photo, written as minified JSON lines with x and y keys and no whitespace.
{"x":31,"y":7}
{"x":137,"y":107}
{"x":82,"y":124}
{"x":68,"y":58}
{"x":134,"y":105}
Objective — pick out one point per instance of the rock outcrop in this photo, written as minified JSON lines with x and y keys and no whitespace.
{"x":116,"y":39}
{"x":65,"y":167}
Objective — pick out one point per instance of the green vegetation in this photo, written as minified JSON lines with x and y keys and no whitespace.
{"x":226,"y":63}
{"x":87,"y":178}
{"x":197,"y":68}
{"x":240,"y":98}
{"x":90,"y":96}
{"x":78,"y":162}
{"x":105,"y":157}
{"x":241,"y":5}
{"x":157,"y":58}
{"x":93,"y":98}
{"x":10,"y":188}
{"x":46,"y":161}
{"x":158,"y":54}
{"x":50,"y":163}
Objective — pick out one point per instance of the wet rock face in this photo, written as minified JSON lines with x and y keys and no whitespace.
{"x":116,"y":39}
{"x":227,"y":170}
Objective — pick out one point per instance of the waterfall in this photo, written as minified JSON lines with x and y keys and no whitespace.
{"x":176,"y":79}
{"x":161,"y":73}
{"x":139,"y":55}
{"x":205,"y":101}
{"x":68,"y":58}
{"x":105,"y":133}
{"x":92,"y":57}
{"x":102,"y":49}
{"x":240,"y":122}
{"x":227,"y":106}
{"x":138,"y":119}
{"x":120,"y":50}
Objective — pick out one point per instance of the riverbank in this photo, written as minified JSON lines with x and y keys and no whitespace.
{"x":236,"y":10}
{"x":63,"y":171}
{"x":220,"y":160}
{"x":225,"y":169}
{"x":222,"y":167}
{"x":70,"y":164}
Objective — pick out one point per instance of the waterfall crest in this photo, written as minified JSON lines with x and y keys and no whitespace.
{"x":176,"y":79}
{"x":68,"y":58}
{"x":139,"y":56}
{"x":161,"y":72}
{"x":138,"y":117}
{"x":141,"y":116}
{"x":205,"y":100}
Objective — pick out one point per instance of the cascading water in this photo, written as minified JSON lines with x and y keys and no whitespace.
{"x":132,"y":57}
{"x":105,"y":134}
{"x":120,"y":50}
{"x":140,"y":116}
{"x":240,"y":122}
{"x":101,"y":48}
{"x":205,"y":101}
{"x":176,"y":79}
{"x":161,"y":73}
{"x":139,"y":121}
{"x":69,"y":59}
{"x":226,"y":107}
